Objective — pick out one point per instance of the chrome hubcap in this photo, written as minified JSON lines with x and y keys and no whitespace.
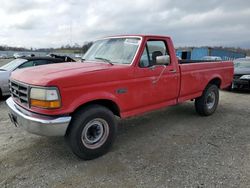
{"x":95,"y":133}
{"x":210,"y":100}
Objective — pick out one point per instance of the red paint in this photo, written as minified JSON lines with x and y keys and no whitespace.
{"x":80,"y":83}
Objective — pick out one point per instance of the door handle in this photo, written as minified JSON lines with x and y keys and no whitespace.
{"x":172,"y":71}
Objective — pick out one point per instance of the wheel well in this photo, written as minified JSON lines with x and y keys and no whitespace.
{"x":215,"y":81}
{"x":106,"y":103}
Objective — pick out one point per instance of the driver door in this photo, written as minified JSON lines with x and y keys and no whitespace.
{"x":156,"y":84}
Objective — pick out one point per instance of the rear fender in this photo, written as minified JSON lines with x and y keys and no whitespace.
{"x":217,"y":80}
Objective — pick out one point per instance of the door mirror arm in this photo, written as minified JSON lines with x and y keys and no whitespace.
{"x":152,"y":67}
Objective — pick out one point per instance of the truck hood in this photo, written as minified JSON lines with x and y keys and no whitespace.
{"x":42,"y":75}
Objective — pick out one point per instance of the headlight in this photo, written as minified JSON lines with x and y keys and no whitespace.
{"x":247,"y":77}
{"x":45,"y":97}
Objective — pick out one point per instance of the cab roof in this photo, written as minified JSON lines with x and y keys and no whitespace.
{"x":139,"y":35}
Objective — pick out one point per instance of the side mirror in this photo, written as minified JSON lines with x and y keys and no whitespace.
{"x":163,"y":60}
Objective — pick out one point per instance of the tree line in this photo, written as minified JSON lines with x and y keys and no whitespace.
{"x":76,"y":48}
{"x":72,"y":48}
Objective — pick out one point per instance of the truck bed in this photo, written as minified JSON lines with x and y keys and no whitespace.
{"x":197,"y":61}
{"x":196,"y":75}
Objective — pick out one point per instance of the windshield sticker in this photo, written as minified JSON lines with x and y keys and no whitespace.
{"x":132,"y":41}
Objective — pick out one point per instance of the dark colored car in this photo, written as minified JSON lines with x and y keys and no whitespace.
{"x":25,"y":62}
{"x":241,"y":74}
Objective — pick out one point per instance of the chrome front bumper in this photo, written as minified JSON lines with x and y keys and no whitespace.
{"x":36,"y":123}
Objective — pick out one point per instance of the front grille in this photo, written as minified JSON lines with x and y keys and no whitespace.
{"x":19,"y":92}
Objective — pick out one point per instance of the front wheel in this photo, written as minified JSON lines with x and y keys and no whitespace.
{"x":91,"y":132}
{"x":206,"y":104}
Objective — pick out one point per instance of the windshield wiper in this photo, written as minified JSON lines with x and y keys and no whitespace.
{"x":2,"y":69}
{"x":105,"y":60}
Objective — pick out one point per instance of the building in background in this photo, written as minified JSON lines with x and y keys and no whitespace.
{"x":200,"y":53}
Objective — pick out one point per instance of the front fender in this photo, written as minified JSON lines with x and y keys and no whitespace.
{"x":93,"y":96}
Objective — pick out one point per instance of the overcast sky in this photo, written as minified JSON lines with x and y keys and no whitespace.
{"x":52,"y":23}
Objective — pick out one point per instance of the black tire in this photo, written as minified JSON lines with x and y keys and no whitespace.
{"x":86,"y":126}
{"x":206,"y":104}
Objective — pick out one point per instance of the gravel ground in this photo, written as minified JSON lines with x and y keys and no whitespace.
{"x":173,"y":147}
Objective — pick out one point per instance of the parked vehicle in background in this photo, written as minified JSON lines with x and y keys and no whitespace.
{"x":120,"y":76}
{"x":212,"y":58}
{"x":20,"y":63}
{"x":18,"y":55}
{"x":178,"y":57}
{"x":3,"y":56}
{"x":241,"y":78}
{"x":78,"y":56}
{"x":64,"y":57}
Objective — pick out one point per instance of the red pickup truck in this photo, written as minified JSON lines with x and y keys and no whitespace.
{"x":120,"y":76}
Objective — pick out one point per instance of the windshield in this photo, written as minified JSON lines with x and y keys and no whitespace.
{"x":242,"y":64}
{"x":13,"y":64}
{"x":113,"y":50}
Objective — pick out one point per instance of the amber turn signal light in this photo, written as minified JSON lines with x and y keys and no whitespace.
{"x":45,"y":104}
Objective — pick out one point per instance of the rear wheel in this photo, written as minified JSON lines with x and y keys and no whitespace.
{"x":208,"y":102}
{"x":91,"y":132}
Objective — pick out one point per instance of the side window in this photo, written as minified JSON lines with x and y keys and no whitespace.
{"x":40,"y":62}
{"x":156,"y":48}
{"x":144,"y":61}
{"x":26,"y":64}
{"x":153,"y":49}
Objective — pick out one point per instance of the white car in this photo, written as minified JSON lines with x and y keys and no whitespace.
{"x":6,"y":70}
{"x":3,"y":56}
{"x":18,"y":55}
{"x":212,"y":58}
